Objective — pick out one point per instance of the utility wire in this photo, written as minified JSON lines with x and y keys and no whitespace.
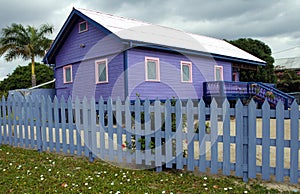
{"x":286,"y":49}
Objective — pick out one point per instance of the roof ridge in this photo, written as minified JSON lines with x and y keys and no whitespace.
{"x":141,"y":21}
{"x":112,"y":15}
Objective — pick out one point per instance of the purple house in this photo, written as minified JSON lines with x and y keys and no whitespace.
{"x":98,"y":54}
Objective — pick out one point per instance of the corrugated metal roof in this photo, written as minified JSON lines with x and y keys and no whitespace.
{"x":130,"y":29}
{"x":287,"y":63}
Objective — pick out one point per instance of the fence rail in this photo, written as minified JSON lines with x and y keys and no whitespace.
{"x":243,"y":140}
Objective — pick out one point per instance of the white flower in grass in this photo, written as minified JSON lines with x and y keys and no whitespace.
{"x":230,"y":188}
{"x":7,"y":153}
{"x":118,"y":192}
{"x":112,"y":183}
{"x":205,"y":178}
{"x":42,"y":178}
{"x":49,"y":170}
{"x":116,"y":174}
{"x":104,"y":172}
{"x":121,"y":183}
{"x":90,"y":188}
{"x":163,"y":192}
{"x":128,"y":180}
{"x":86,"y":184}
{"x":225,"y":189}
{"x":36,"y":167}
{"x":10,"y":164}
{"x":204,"y":184}
{"x":4,"y":170}
{"x":206,"y":188}
{"x":245,"y":191}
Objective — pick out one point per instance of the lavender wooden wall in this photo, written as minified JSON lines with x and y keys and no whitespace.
{"x":170,"y":84}
{"x":97,"y":45}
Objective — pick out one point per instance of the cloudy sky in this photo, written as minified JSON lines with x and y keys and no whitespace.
{"x":275,"y":22}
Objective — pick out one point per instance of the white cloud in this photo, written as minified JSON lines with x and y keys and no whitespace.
{"x":274,"y":22}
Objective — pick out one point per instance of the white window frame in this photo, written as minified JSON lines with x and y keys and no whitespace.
{"x":65,"y":74}
{"x":189,"y":64}
{"x":97,"y":71}
{"x":156,"y":60}
{"x":86,"y":26}
{"x":221,"y":72}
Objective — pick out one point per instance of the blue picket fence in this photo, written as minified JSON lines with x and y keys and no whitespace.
{"x":243,"y":140}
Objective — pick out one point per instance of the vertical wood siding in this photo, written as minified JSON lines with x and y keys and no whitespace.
{"x":97,"y":45}
{"x":170,"y":84}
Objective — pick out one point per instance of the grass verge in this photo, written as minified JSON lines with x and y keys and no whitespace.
{"x":28,"y":171}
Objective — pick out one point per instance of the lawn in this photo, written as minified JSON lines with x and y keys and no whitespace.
{"x":28,"y":171}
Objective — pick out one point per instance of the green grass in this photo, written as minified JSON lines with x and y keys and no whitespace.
{"x":28,"y":171}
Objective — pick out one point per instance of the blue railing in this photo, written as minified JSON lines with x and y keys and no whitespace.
{"x":260,"y":91}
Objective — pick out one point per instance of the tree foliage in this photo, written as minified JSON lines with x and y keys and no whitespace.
{"x":262,"y":51}
{"x":25,"y":42}
{"x":289,"y":81}
{"x":20,"y":78}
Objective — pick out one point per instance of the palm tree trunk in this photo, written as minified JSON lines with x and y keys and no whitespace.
{"x":33,"y":78}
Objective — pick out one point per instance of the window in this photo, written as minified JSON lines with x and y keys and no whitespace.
{"x":83,"y":26}
{"x":152,"y":69}
{"x":67,"y":71}
{"x":101,"y":71}
{"x":186,"y":72}
{"x":218,"y":73}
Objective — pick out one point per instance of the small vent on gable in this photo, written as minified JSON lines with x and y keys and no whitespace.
{"x":83,"y":26}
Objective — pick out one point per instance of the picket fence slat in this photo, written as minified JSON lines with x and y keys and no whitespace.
{"x":148,"y":132}
{"x":50,"y":123}
{"x":119,"y":129}
{"x":202,"y":136}
{"x":266,"y":141}
{"x":142,"y":133}
{"x":226,"y":138}
{"x":78,"y":126}
{"x":70,"y":125}
{"x":214,"y":137}
{"x":294,"y":133}
{"x":158,"y":124}
{"x":252,"y":140}
{"x":239,"y":138}
{"x":279,"y":142}
{"x":179,"y":149}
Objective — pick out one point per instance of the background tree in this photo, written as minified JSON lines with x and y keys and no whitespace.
{"x":20,"y":78}
{"x":289,"y":81}
{"x":27,"y":43}
{"x":262,"y":51}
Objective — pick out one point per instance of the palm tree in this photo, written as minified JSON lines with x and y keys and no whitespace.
{"x":27,"y":43}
